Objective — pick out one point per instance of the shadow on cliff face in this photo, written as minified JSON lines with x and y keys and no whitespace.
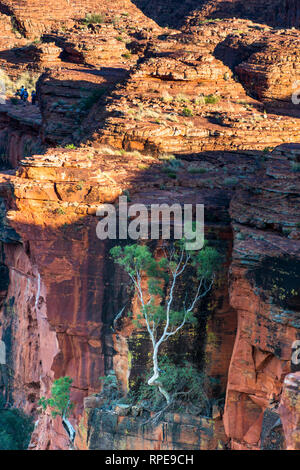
{"x":86,"y":290}
{"x":85,"y":296}
{"x":17,"y":55}
{"x":284,"y":13}
{"x":71,"y":110}
{"x":168,"y":12}
{"x":233,"y":52}
{"x":74,"y":107}
{"x":19,"y":135}
{"x":280,"y":278}
{"x":83,"y":289}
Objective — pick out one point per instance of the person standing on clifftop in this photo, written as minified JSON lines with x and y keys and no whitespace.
{"x":33,"y":97}
{"x":25,"y":96}
{"x":21,"y":93}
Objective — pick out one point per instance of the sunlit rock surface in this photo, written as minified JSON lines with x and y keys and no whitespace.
{"x":211,"y":83}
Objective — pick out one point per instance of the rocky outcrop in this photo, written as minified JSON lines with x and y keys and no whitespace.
{"x":176,"y":432}
{"x":265,"y":293}
{"x":19,"y":133}
{"x":56,"y":199}
{"x":275,"y":13}
{"x":165,"y":120}
{"x":9,"y":38}
{"x":68,"y":95}
{"x":32,"y":18}
{"x":289,"y":411}
{"x":270,"y":74}
{"x":193,"y":103}
{"x":176,"y":13}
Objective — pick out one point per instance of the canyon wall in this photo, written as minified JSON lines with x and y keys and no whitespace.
{"x":19,"y":135}
{"x":265,"y":292}
{"x":56,"y":217}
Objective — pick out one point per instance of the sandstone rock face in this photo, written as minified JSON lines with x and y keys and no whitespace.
{"x":274,"y":12}
{"x":67,"y":96}
{"x":289,"y":411}
{"x":269,"y":75}
{"x":34,"y":17}
{"x":119,"y":432}
{"x":187,"y":90}
{"x":56,"y":217}
{"x":19,"y":133}
{"x":265,"y":293}
{"x":120,"y":96}
{"x":265,"y":61}
{"x":8,"y":38}
{"x":174,"y":13}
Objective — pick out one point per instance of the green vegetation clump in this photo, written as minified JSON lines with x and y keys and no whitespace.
{"x":85,"y":104}
{"x":59,"y":211}
{"x":211,"y":99}
{"x":80,"y":185}
{"x":210,"y":20}
{"x":295,"y":166}
{"x":175,"y":164}
{"x":163,"y":314}
{"x":166,"y":156}
{"x":231,"y":181}
{"x":59,"y":402}
{"x":143,"y":166}
{"x":182,"y":98}
{"x":187,"y":112}
{"x":15,"y":27}
{"x":111,"y":393}
{"x":188,"y":387}
{"x":194,"y":170}
{"x":172,"y":167}
{"x":93,"y":18}
{"x":127,"y":55}
{"x":14,"y":100}
{"x":170,"y":174}
{"x":15,"y":428}
{"x":167,"y":98}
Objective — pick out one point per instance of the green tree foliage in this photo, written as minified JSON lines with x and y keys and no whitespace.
{"x":15,"y":429}
{"x":59,"y":402}
{"x":188,"y":388}
{"x":159,"y":308}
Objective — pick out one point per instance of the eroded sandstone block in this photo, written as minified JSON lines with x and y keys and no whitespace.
{"x":290,"y":410}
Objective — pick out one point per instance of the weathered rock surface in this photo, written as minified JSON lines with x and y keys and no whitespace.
{"x":289,"y":411}
{"x":19,"y":133}
{"x":180,"y":98}
{"x":274,"y":12}
{"x":265,"y":292}
{"x":56,"y":199}
{"x":175,"y":432}
{"x":124,"y":94}
{"x":34,"y":17}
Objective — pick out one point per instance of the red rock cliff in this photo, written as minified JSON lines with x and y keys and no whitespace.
{"x":123,"y":94}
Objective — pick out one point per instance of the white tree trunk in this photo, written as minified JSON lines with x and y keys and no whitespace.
{"x":67,"y":425}
{"x":154,"y":379}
